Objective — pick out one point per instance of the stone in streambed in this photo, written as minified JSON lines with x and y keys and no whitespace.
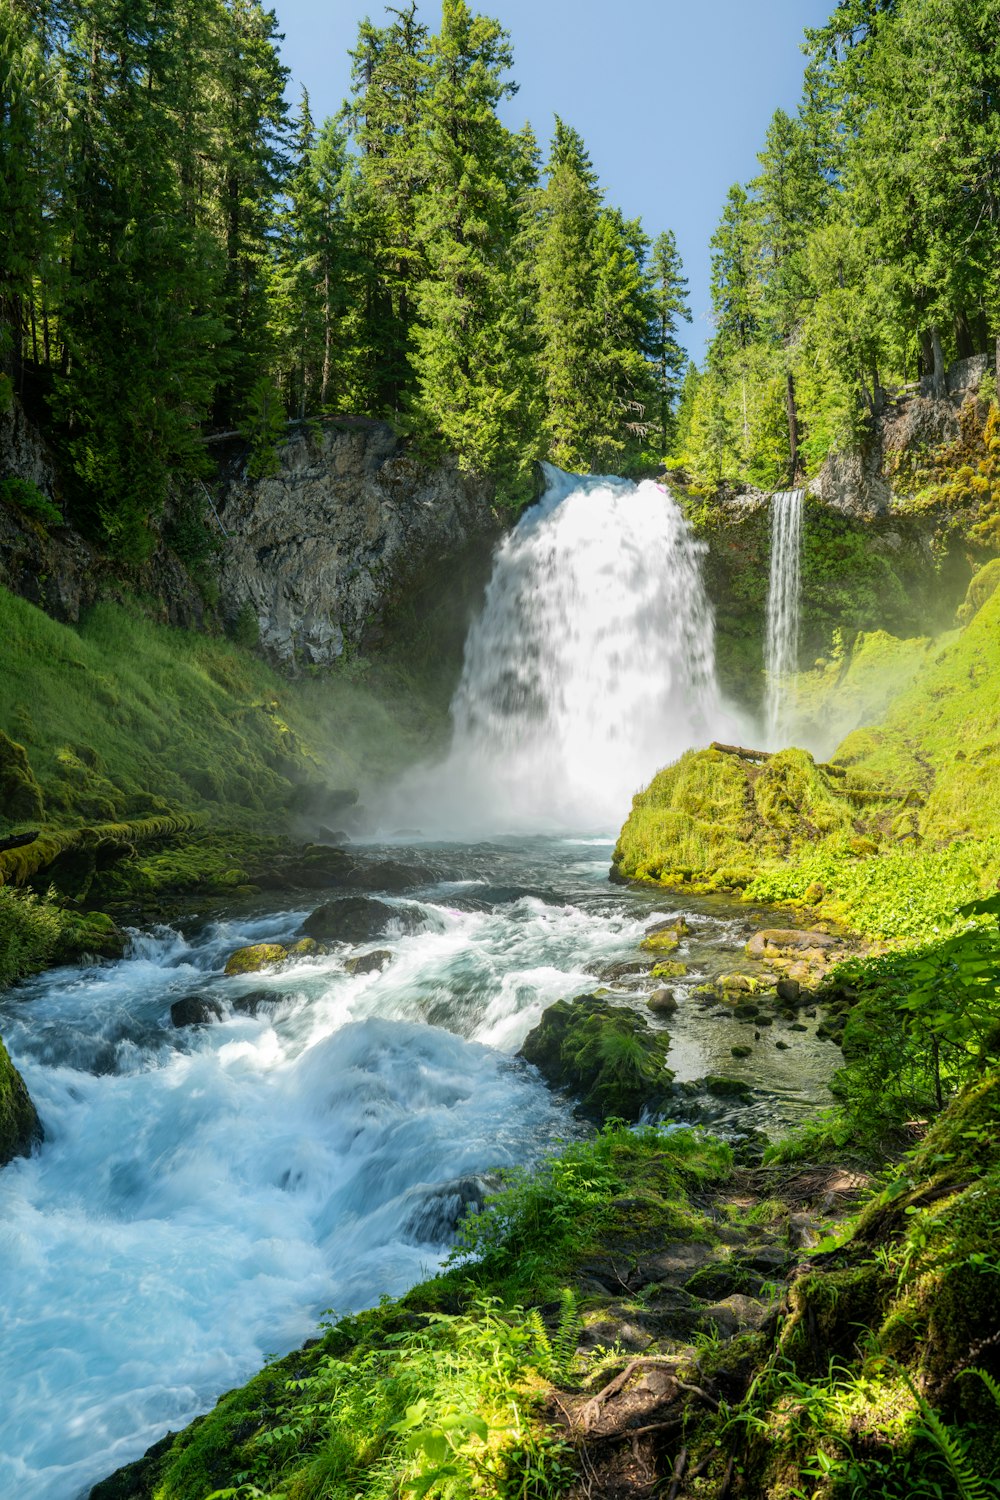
{"x":255,"y":957}
{"x":788,"y":989}
{"x":662,"y":1002}
{"x":20,"y":1127}
{"x":664,"y":937}
{"x":787,"y":938}
{"x":369,"y":963}
{"x":254,"y":1001}
{"x":358,"y":919}
{"x":605,"y":1054}
{"x":194,"y":1010}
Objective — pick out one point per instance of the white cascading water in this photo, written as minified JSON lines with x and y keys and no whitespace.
{"x":781,"y":648}
{"x":591,"y":666}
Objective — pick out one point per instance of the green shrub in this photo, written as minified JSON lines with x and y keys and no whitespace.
{"x":27,"y":497}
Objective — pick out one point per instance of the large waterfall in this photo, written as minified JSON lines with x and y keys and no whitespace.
{"x":782,"y":644}
{"x":591,"y":666}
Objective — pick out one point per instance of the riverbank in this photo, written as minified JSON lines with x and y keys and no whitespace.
{"x":640,"y":1312}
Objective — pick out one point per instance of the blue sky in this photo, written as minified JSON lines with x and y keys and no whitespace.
{"x":671,"y":96}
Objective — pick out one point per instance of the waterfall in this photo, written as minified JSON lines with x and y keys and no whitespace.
{"x":591,"y":666}
{"x":782,"y":644}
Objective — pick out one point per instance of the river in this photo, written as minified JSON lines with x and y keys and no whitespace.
{"x":204,"y":1194}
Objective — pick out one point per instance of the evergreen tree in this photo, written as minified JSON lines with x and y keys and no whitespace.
{"x":670,"y":308}
{"x":472,"y":337}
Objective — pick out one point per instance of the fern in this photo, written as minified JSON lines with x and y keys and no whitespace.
{"x":949,"y":1445}
{"x":993,"y":1386}
{"x":567,"y":1334}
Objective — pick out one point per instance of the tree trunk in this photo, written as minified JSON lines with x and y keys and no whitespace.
{"x":963,"y":337}
{"x":938,"y":378}
{"x":793,"y":428}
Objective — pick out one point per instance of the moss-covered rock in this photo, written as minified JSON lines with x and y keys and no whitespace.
{"x":256,"y":956}
{"x":20,"y":1127}
{"x":21,"y":799}
{"x":604,"y":1054}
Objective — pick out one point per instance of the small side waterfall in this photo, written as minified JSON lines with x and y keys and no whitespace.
{"x":781,"y":648}
{"x":592,"y":665}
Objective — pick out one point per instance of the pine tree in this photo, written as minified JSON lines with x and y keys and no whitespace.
{"x":669,"y":298}
{"x":472,"y":336}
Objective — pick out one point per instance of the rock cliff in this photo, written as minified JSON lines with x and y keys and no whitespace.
{"x":324,"y":551}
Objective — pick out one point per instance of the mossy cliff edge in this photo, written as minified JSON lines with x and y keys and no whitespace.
{"x":890,"y":835}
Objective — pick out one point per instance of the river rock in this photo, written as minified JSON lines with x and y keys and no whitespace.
{"x":255,"y":957}
{"x":369,"y":963}
{"x":787,"y":938}
{"x":254,"y":1001}
{"x":662,"y":1002}
{"x":358,"y":919}
{"x":788,"y":989}
{"x":195,"y":1010}
{"x":605,"y":1054}
{"x":20,"y":1127}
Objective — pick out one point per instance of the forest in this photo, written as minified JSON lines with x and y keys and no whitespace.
{"x":499,"y":967}
{"x":186,"y":254}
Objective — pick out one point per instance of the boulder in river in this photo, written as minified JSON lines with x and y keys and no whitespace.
{"x":787,"y":939}
{"x":195,"y":1010}
{"x":605,"y":1054}
{"x":357,"y":919}
{"x":20,"y":1127}
{"x":255,"y":1001}
{"x":369,"y":963}
{"x":255,"y":957}
{"x":662,"y":1002}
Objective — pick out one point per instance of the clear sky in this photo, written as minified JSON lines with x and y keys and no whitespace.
{"x":671,"y":96}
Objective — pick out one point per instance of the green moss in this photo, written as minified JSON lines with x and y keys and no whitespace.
{"x":604,"y":1053}
{"x":21,"y":799}
{"x":254,"y":958}
{"x":901,"y":828}
{"x":123,"y":718}
{"x":20,"y":1127}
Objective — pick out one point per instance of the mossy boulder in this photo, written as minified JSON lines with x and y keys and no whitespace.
{"x":708,"y":819}
{"x":604,"y":1054}
{"x":257,"y":956}
{"x":358,"y":919}
{"x":20,"y":1127}
{"x":21,"y":799}
{"x":982,"y":588}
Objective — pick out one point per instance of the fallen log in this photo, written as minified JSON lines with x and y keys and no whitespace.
{"x":17,"y":840}
{"x":23,"y":862}
{"x":741,"y":751}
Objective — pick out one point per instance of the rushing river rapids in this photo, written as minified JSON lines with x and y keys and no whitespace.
{"x":204,"y":1194}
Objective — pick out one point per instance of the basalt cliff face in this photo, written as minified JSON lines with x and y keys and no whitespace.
{"x":326,"y":550}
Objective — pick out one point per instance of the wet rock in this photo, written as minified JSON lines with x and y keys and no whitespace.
{"x":787,"y":938}
{"x":662,"y":1002}
{"x":20,"y":1127}
{"x":358,"y":919}
{"x":788,"y":989}
{"x":741,"y":1051}
{"x":369,"y":963}
{"x":605,"y":1054}
{"x":254,"y":1001}
{"x":736,"y":983}
{"x":664,"y":937}
{"x":722,"y":1087}
{"x":672,"y":969}
{"x":610,"y":973}
{"x":255,"y":957}
{"x":195,"y":1010}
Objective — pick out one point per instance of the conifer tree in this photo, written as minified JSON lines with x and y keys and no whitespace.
{"x":472,"y":339}
{"x":670,"y":309}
